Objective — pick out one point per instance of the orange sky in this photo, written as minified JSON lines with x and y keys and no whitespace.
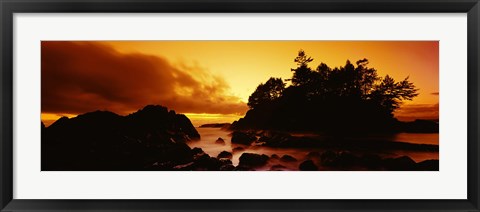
{"x":212,"y":77}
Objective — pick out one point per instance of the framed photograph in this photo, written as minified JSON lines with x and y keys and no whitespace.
{"x":239,"y":105}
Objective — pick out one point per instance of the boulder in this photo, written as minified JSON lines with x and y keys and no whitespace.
{"x":179,"y":153}
{"x":371,"y":161}
{"x":220,"y":141}
{"x":216,"y":125}
{"x":227,"y":167}
{"x":243,"y":138}
{"x":225,"y":154}
{"x":225,"y":161}
{"x":253,"y":160}
{"x":276,"y":139}
{"x":206,"y":163}
{"x":403,"y":163}
{"x":197,"y":150}
{"x":308,"y":165}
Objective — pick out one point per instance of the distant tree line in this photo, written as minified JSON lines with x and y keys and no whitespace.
{"x":348,"y":97}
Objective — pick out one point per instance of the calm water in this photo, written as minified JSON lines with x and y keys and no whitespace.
{"x":210,"y":135}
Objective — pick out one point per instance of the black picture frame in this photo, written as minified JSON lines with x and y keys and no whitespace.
{"x":9,"y":7}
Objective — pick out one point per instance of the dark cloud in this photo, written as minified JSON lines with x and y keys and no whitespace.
{"x":435,"y":93}
{"x":79,"y":77}
{"x":418,"y":111}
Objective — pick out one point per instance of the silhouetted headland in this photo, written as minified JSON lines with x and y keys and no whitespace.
{"x":101,"y":140}
{"x":342,"y":100}
{"x":216,"y":125}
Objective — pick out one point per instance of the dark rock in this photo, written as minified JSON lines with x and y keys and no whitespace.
{"x":276,"y":139}
{"x":216,"y":125}
{"x":288,"y":158}
{"x":178,"y":153}
{"x":105,"y":141}
{"x":274,"y":156}
{"x":220,"y":141}
{"x":61,"y":122}
{"x":227,"y":167}
{"x":225,"y":154}
{"x":207,"y":163}
{"x":308,"y":165}
{"x":157,"y":117}
{"x":225,"y":161}
{"x":428,"y":165}
{"x":200,"y":155}
{"x":243,"y":168}
{"x":403,"y":163}
{"x":328,"y":157}
{"x":419,"y":126}
{"x":253,"y":160}
{"x":371,"y":161}
{"x":243,"y":138}
{"x":197,"y":150}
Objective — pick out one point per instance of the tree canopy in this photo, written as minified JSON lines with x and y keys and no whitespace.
{"x":266,"y":93}
{"x":351,"y":95}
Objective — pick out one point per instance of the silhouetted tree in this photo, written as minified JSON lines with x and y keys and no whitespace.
{"x":348,"y":97}
{"x":390,"y":94}
{"x":365,"y":78}
{"x":302,"y":75}
{"x":302,"y":59}
{"x":267,"y":92}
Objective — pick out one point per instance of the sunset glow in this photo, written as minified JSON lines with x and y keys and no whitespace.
{"x":212,"y":80}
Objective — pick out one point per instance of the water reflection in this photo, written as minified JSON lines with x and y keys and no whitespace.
{"x":210,"y":135}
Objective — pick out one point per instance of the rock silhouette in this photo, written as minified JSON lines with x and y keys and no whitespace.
{"x":308,"y":165}
{"x":225,"y":154}
{"x":151,"y":138}
{"x":428,"y":165}
{"x":220,"y":141}
{"x":245,"y":138}
{"x":216,"y":125}
{"x":403,"y":163}
{"x":252,"y":160}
